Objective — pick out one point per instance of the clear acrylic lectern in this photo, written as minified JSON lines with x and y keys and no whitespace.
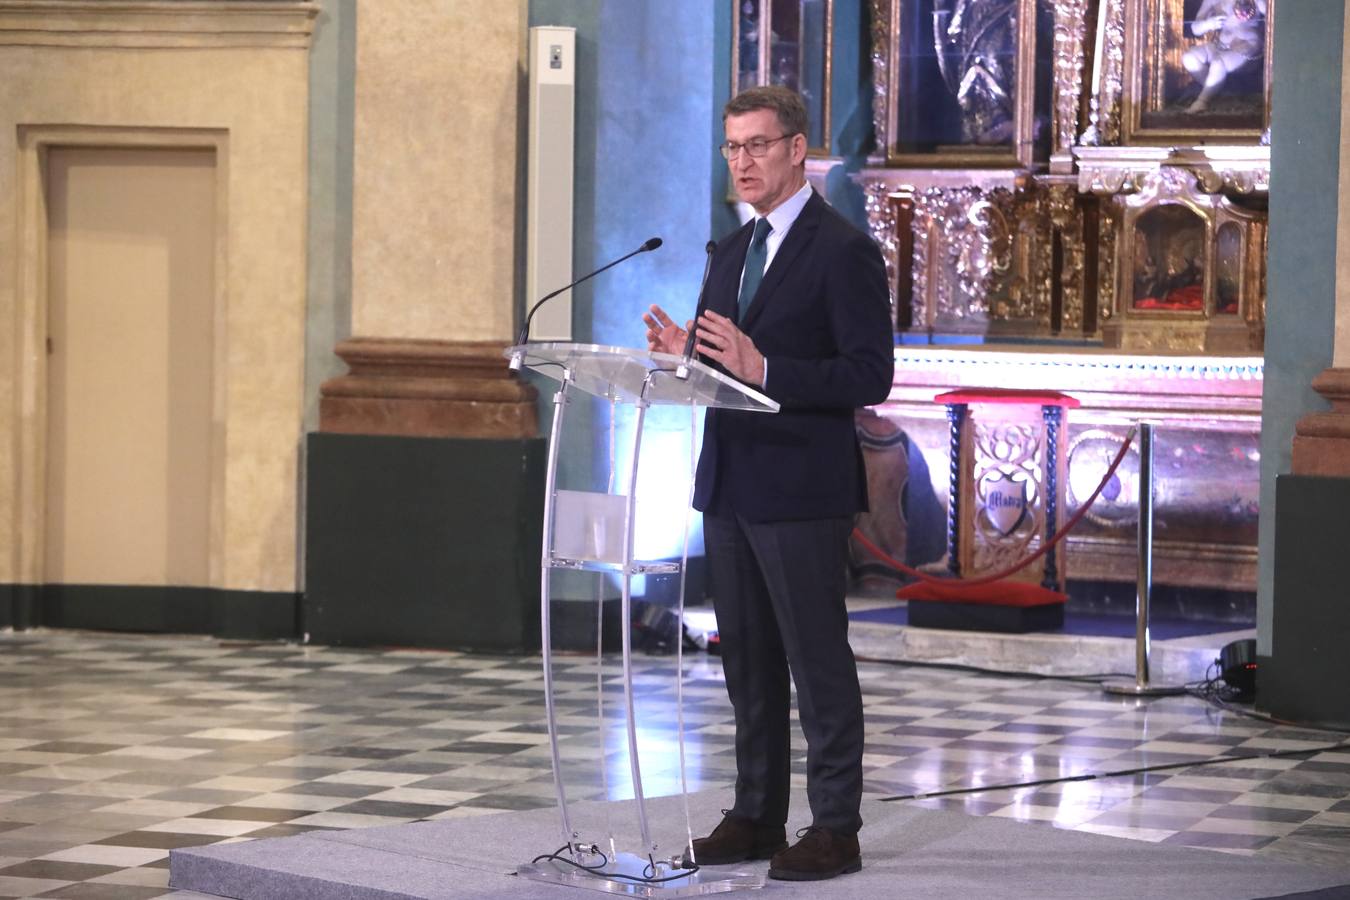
{"x":600,"y":738}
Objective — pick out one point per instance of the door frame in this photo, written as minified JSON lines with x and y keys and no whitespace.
{"x":34,"y":144}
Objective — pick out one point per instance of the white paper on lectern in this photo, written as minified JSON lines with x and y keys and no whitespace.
{"x":589,"y":525}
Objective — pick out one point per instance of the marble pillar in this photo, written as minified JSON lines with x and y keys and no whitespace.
{"x":1322,"y":439}
{"x":435,"y":223}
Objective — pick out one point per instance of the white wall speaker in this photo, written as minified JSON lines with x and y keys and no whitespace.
{"x":552,"y":128}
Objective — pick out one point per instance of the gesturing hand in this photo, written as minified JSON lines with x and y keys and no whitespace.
{"x":720,"y":339}
{"x":663,"y":335}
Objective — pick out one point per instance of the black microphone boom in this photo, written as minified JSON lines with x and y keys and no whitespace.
{"x":649,"y":244}
{"x":702,"y":297}
{"x":683,"y":371}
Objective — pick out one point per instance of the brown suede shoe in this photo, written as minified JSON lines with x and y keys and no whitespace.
{"x":735,"y":840}
{"x":820,"y":854}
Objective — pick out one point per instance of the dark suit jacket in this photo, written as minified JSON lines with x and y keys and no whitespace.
{"x":822,"y":319}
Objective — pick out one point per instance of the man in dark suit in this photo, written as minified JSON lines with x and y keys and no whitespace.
{"x":797,"y":306}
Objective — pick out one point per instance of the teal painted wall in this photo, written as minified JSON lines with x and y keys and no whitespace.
{"x":851,"y":135}
{"x":328,"y":298}
{"x":1301,"y":279}
{"x":647,"y":91}
{"x":332,"y":101}
{"x":653,"y":166}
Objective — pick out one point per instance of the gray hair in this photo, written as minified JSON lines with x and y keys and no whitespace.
{"x":786,"y":103}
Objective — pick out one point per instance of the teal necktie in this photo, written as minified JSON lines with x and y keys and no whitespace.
{"x":754,"y":267}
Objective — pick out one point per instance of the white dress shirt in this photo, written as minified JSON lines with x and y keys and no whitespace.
{"x":780,"y":219}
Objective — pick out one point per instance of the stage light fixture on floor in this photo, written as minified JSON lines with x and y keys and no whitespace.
{"x":1237,"y":667}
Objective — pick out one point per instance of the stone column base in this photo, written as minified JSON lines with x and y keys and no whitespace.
{"x":426,"y":388}
{"x":1322,"y":440}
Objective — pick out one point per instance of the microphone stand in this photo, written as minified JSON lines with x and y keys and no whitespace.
{"x":682,"y":372}
{"x":518,"y":357}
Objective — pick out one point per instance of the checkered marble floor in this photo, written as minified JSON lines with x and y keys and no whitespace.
{"x":115,"y":749}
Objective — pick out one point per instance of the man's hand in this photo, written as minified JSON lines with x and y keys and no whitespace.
{"x":663,"y":335}
{"x":720,"y":339}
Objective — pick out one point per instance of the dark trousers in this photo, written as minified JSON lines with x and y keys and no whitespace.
{"x":778,"y":590}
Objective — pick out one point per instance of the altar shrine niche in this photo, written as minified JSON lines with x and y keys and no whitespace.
{"x":1190,"y":250}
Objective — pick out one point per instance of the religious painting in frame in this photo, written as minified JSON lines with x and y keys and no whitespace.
{"x":786,"y":42}
{"x":1197,"y":70}
{"x":964,"y":83}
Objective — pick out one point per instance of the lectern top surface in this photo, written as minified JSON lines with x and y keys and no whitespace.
{"x":628,"y":374}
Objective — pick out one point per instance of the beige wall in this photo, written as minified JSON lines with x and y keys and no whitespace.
{"x":230,"y":76}
{"x":434,"y":195}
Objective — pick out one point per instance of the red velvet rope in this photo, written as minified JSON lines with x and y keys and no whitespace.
{"x":1017,"y":567}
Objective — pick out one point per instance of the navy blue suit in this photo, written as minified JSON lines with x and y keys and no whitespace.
{"x":779,"y":492}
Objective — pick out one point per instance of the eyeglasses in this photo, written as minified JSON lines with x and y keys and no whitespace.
{"x":755,"y":146}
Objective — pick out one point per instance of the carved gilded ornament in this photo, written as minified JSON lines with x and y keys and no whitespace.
{"x":1064,"y":212}
{"x":1107,"y":229}
{"x":881,"y":223}
{"x":979,"y":245}
{"x":881,"y":75}
{"x":1108,"y":75}
{"x":1024,"y":299}
{"x":1232,"y":170}
{"x":981,"y":253}
{"x":1165,"y":182}
{"x":1234,"y":181}
{"x":931,"y":295}
{"x":1069,"y":55}
{"x":971,"y":228}
{"x":1009,"y":496}
{"x":1109,"y":181}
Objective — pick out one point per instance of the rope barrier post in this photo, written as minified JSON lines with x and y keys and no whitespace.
{"x":1141,"y":686}
{"x":1053,"y":416}
{"x":956,"y":421}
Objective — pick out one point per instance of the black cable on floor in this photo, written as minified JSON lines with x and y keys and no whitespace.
{"x":597,"y":870}
{"x":1211,"y":690}
{"x":1278,"y":754}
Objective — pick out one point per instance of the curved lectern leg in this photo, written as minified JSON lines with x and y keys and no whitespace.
{"x":626,"y":619}
{"x":601,"y":725}
{"x":545,"y":629}
{"x":679,"y":634}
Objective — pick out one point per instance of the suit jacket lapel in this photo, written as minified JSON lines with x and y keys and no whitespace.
{"x":798,"y":237}
{"x":725,"y":281}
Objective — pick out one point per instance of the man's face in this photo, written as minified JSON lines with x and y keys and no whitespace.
{"x":764,"y":181}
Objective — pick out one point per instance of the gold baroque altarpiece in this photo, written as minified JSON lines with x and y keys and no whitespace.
{"x":1090,"y":178}
{"x":1017,"y":217}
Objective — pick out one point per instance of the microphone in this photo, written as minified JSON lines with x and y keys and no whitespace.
{"x":518,"y":357}
{"x":683,"y":371}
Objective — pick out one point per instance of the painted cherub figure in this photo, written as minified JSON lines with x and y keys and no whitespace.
{"x":1234,"y":34}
